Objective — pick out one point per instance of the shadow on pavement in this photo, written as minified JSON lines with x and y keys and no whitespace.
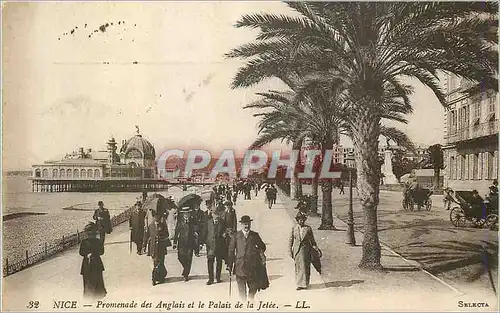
{"x":402,"y":269}
{"x":452,"y":255}
{"x":335,"y":284}
{"x":178,"y":279}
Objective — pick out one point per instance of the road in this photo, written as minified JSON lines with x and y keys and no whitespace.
{"x":452,"y":254}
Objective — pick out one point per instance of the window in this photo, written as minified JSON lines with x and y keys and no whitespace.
{"x":76,"y":173}
{"x":476,"y":113}
{"x":89,"y":173}
{"x":452,"y":168}
{"x":490,"y":163}
{"x":69,"y":172}
{"x":45,"y":172}
{"x":97,"y":173}
{"x":62,"y":173}
{"x":38,"y":173}
{"x":492,"y":100}
{"x":462,"y":167}
{"x":475,"y":166}
{"x":83,"y":173}
{"x":54,"y":173}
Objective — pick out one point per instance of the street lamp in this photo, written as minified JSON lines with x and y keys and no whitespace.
{"x":351,"y":240}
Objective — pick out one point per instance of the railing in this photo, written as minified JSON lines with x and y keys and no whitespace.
{"x":50,"y":249}
{"x":473,"y":131}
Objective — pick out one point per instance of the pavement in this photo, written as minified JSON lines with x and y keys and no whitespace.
{"x":341,"y":287}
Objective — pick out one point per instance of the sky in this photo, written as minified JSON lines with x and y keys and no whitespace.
{"x":70,"y":81}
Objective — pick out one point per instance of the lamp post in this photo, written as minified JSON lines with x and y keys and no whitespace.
{"x":351,"y":240}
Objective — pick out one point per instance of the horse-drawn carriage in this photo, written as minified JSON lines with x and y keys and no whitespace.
{"x":481,"y":213}
{"x":420,"y":197}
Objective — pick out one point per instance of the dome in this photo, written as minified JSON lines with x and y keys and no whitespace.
{"x":138,"y":147}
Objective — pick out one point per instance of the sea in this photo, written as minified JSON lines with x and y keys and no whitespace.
{"x":32,"y":219}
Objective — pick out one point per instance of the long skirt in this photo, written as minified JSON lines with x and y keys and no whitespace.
{"x":93,"y":285}
{"x":159,"y":269}
{"x":303,"y":267}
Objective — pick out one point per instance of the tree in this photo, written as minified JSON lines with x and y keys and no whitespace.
{"x":372,"y":46}
{"x":436,"y":160}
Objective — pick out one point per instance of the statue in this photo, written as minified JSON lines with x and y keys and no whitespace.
{"x":389,"y":177}
{"x":137,"y":129}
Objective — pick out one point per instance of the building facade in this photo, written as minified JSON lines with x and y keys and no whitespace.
{"x":471,"y":136}
{"x":135,"y":161}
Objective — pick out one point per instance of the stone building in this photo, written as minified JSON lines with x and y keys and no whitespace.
{"x":471,"y":136}
{"x":135,"y":161}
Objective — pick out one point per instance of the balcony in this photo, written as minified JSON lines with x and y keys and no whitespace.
{"x":473,"y":132}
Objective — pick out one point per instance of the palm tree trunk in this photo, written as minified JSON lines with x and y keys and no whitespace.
{"x":366,"y":130}
{"x":326,"y":189}
{"x":314,"y":193}
{"x":296,"y":186}
{"x":436,"y":178}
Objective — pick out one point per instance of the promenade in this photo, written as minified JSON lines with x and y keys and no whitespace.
{"x":403,"y":286}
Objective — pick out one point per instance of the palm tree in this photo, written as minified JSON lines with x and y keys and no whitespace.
{"x":372,"y":46}
{"x":436,"y":161}
{"x":276,"y":125}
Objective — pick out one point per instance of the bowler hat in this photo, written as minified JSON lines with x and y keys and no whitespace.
{"x":245,"y":219}
{"x":185,"y":210}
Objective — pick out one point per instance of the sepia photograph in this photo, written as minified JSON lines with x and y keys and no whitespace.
{"x":269,"y":156}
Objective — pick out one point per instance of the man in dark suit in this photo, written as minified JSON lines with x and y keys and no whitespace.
{"x":156,"y":240}
{"x":229,"y":216}
{"x":184,"y":241}
{"x":136,"y":225}
{"x":103,"y":221}
{"x":244,"y":259}
{"x":199,"y":220}
{"x":216,"y":246}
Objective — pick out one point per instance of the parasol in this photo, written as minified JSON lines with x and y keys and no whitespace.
{"x":189,"y":200}
{"x":156,"y":203}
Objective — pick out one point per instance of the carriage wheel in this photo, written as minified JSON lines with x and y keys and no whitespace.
{"x":405,"y":205}
{"x":411,"y":204}
{"x":491,"y":220}
{"x":457,"y":217}
{"x":428,"y":205}
{"x":478,"y":221}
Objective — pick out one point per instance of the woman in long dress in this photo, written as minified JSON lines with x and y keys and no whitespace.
{"x":301,"y":244}
{"x":91,"y":249}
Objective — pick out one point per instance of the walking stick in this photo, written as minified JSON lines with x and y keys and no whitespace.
{"x":130,"y":245}
{"x":230,"y":279}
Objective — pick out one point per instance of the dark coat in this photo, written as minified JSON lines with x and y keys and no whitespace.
{"x":94,"y":264}
{"x":199,"y":220}
{"x":184,"y":237}
{"x":92,"y":267}
{"x":245,"y":254}
{"x":137,"y":224}
{"x":214,"y":239}
{"x":103,"y":220}
{"x":230,"y":220}
{"x":156,"y":240}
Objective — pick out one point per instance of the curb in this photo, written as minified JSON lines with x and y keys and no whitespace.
{"x":385,"y":246}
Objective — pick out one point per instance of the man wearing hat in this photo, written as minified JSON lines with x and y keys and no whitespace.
{"x":199,"y":220}
{"x":184,"y":241}
{"x":229,"y":216}
{"x":244,"y":259}
{"x":103,"y":221}
{"x":156,"y":239}
{"x":216,"y":246}
{"x":136,"y":225}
